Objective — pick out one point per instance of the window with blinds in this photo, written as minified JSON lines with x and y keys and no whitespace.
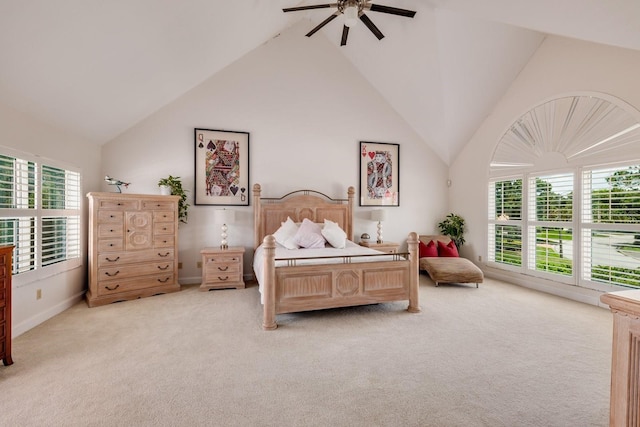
{"x":550,"y":225}
{"x":611,"y":225}
{"x":39,"y":213}
{"x":505,"y":222}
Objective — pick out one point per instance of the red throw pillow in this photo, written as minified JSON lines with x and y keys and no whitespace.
{"x":428,"y":250}
{"x":448,"y":250}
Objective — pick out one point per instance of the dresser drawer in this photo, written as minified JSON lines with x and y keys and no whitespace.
{"x":113,"y":287}
{"x":164,"y":216}
{"x":120,"y":205}
{"x":220,"y":278}
{"x":110,"y":216}
{"x":222,"y":268}
{"x":149,"y":255}
{"x":3,"y":297}
{"x":106,"y":231}
{"x":134,"y":270}
{"x":2,"y":313}
{"x":163,"y":228}
{"x":222,"y":258}
{"x":163,"y":241}
{"x":3,"y":330}
{"x":110,"y":245}
{"x":158,"y":205}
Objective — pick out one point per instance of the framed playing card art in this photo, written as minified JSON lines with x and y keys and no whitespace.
{"x":379,"y":174}
{"x":221,"y":167}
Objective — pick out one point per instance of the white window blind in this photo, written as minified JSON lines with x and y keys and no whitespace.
{"x":550,"y":225}
{"x":611,"y":225}
{"x":39,"y":213}
{"x":505,"y":221}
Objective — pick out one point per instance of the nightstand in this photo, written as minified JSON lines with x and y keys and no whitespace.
{"x":222,"y":268}
{"x":388,"y":247}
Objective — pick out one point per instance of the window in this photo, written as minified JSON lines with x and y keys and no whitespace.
{"x":576,"y":219}
{"x":39,"y":214}
{"x":611,"y":225}
{"x":505,"y":222}
{"x":550,"y":223}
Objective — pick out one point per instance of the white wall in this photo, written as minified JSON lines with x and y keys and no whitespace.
{"x":59,"y":292}
{"x":560,"y":66}
{"x":306,"y":108}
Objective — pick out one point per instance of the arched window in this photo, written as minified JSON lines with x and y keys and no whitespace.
{"x":564,"y":193}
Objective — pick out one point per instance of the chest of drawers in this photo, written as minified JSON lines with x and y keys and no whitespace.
{"x":5,"y":304}
{"x":222,"y":268}
{"x":133,"y":246}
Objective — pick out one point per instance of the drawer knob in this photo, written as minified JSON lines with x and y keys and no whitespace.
{"x":223,"y":278}
{"x":113,"y":260}
{"x":112,"y":289}
{"x":112,"y":275}
{"x":163,"y":281}
{"x":163,"y":256}
{"x":226,"y":267}
{"x":163,"y":268}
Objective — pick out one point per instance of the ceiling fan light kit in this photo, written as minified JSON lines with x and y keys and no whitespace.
{"x":352,"y":11}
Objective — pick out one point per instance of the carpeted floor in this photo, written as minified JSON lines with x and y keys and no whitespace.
{"x":500,"y":355}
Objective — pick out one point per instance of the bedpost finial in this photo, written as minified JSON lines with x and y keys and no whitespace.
{"x":269,"y":241}
{"x":256,"y":189}
{"x":351,"y":191}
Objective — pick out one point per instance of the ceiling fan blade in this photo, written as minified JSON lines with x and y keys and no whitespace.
{"x":370,"y":25}
{"x":322,"y":24}
{"x":315,"y":6}
{"x":345,"y":34}
{"x":391,"y":10}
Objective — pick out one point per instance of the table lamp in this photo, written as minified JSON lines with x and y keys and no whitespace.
{"x":379,"y":215}
{"x":224,"y":216}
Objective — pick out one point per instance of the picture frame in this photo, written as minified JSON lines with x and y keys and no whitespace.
{"x":221,"y":169}
{"x":379,"y":174}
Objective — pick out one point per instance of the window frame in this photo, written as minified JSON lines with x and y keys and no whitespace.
{"x":39,"y":213}
{"x":579,"y":226}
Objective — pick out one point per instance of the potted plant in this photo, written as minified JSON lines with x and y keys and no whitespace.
{"x":453,"y":226}
{"x":175,"y":188}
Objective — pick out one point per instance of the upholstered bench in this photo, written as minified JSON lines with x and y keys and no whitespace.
{"x":449,"y":269}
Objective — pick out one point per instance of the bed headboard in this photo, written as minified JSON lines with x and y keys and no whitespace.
{"x":269,"y":213}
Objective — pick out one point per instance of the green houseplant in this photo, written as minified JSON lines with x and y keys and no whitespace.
{"x":175,"y":186}
{"x":453,"y":226}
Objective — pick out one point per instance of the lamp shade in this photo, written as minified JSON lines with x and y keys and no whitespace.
{"x":378,"y":215}
{"x":224,"y":216}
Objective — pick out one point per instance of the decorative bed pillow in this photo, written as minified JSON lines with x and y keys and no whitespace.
{"x":448,"y":250}
{"x":309,"y":235}
{"x":428,"y":250}
{"x":285,"y":235}
{"x":334,"y":234}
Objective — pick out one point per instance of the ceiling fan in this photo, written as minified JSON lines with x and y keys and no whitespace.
{"x":352,"y":11}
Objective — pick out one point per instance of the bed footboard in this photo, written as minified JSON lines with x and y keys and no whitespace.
{"x":314,"y":287}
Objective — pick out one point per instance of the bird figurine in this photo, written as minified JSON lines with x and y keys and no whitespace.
{"x":116,"y":182}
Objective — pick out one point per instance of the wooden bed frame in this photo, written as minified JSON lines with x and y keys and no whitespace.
{"x":292,"y":288}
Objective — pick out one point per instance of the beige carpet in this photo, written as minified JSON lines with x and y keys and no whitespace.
{"x":500,"y":355}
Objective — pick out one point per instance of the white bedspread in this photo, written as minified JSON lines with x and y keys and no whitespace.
{"x":351,"y":249}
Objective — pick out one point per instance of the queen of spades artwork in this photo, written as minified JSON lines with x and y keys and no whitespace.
{"x":222,"y":168}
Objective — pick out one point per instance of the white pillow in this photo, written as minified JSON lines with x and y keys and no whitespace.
{"x":309,"y":235}
{"x":334,"y":234}
{"x":286,"y":233}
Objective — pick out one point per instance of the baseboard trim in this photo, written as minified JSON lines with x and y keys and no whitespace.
{"x":41,"y":317}
{"x":576,"y":293}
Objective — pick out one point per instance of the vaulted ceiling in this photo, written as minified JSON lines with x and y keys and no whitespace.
{"x":96,"y":68}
